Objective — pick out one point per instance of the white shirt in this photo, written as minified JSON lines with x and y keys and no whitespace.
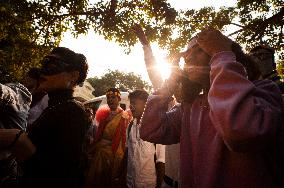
{"x":141,"y":172}
{"x":172,"y":161}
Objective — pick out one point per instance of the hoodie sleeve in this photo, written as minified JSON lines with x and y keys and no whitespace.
{"x":246,"y":114}
{"x":158,"y":125}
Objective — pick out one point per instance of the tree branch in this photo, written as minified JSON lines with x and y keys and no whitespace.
{"x":261,"y":25}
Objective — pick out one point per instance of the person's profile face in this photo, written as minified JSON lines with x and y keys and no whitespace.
{"x":196,"y":56}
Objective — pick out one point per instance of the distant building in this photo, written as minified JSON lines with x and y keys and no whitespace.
{"x":85,"y":92}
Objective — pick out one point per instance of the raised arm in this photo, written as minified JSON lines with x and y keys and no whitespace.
{"x":149,"y":58}
{"x":248,"y":115}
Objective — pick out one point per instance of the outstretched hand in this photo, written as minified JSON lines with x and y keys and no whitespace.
{"x":212,"y":41}
{"x":137,"y":29}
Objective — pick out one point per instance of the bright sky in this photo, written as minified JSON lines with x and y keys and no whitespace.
{"x":103,"y":55}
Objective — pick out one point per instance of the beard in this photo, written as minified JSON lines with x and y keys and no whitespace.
{"x":189,"y":89}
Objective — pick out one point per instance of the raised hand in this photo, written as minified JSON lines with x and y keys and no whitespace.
{"x":137,"y":29}
{"x":213,"y":41}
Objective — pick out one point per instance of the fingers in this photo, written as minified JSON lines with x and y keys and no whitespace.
{"x":137,"y":29}
{"x":205,"y":32}
{"x":212,"y":41}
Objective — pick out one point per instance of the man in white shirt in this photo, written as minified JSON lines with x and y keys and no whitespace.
{"x":146,"y":161}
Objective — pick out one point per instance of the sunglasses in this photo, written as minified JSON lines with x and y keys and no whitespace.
{"x":53,"y":65}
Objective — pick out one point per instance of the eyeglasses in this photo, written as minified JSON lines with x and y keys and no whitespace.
{"x":53,"y":65}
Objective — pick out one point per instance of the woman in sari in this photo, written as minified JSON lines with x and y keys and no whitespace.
{"x":107,"y":168}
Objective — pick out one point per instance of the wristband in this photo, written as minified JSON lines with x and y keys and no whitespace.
{"x":16,"y":139}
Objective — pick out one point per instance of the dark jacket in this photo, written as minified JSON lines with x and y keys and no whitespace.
{"x":58,"y":135}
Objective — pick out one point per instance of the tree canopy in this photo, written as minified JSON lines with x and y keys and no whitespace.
{"x":30,"y":28}
{"x":122,"y":81}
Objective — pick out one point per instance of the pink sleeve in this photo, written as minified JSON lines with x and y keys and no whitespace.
{"x":246,"y":114}
{"x":159,"y":126}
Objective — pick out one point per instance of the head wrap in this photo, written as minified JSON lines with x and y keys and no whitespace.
{"x":113,"y":91}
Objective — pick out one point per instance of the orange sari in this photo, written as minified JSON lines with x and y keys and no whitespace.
{"x":106,"y":156}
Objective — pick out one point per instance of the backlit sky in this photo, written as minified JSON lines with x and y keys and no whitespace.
{"x":103,"y":55}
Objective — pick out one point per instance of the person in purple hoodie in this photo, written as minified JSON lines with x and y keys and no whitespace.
{"x":231,"y":133}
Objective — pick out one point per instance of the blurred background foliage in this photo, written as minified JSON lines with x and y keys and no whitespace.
{"x":30,"y":28}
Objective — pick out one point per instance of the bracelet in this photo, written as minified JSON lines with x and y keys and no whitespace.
{"x":16,"y":139}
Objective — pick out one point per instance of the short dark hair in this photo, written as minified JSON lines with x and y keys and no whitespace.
{"x":77,"y":61}
{"x":138,"y":94}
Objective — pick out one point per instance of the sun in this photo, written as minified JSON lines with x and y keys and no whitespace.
{"x":164,"y":69}
{"x":162,"y":65}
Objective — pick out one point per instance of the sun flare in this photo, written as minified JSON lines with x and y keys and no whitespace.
{"x":162,"y":66}
{"x":164,"y":69}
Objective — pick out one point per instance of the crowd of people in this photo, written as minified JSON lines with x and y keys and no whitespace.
{"x":216,"y":122}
